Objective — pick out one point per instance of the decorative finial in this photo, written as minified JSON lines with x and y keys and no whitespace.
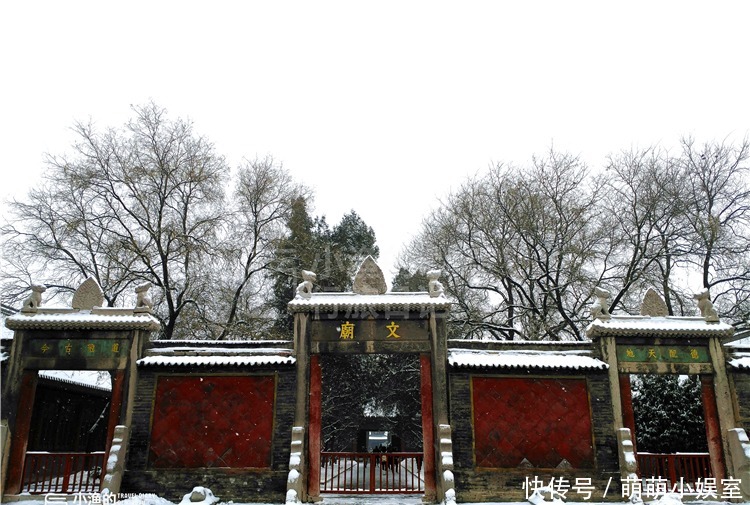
{"x":600,"y":308}
{"x":369,"y":279}
{"x":88,"y":295}
{"x":653,"y":305}
{"x":143,"y":301}
{"x":34,"y":301}
{"x":708,"y":312}
{"x":434,"y":286}
{"x":304,"y":288}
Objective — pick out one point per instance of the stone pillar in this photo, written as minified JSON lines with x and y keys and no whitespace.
{"x":301,"y":420}
{"x":609,"y":354}
{"x":313,"y":483}
{"x":723,"y":403}
{"x":439,"y":393}
{"x":4,"y":453}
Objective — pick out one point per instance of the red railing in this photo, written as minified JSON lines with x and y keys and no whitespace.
{"x":688,"y":466}
{"x":62,"y":472}
{"x":366,"y":472}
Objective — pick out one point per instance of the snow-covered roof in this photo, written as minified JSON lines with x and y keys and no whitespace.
{"x":7,"y":310}
{"x":740,"y":360}
{"x":221,"y":351}
{"x":215,"y":360}
{"x":218,"y":353}
{"x":394,"y":301}
{"x":672,"y":326}
{"x":87,"y":378}
{"x":220,"y":343}
{"x":522,"y":359}
{"x":71,"y":319}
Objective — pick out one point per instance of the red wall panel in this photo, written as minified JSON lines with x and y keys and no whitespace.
{"x":541,"y":420}
{"x":212,"y":421}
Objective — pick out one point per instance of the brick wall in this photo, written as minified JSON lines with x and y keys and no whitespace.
{"x":506,"y":484}
{"x":740,"y":380}
{"x":268,"y":484}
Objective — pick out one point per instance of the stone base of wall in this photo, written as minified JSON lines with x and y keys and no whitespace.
{"x":485,"y":485}
{"x":228,"y":484}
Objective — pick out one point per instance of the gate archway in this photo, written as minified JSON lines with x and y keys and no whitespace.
{"x":85,"y":337}
{"x":370,"y":320}
{"x":656,"y":343}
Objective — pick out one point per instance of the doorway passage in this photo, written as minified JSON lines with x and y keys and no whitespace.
{"x":670,"y":429}
{"x":68,"y":432}
{"x":371,"y":430}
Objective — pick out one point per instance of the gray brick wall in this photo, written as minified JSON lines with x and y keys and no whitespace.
{"x":741,"y":391}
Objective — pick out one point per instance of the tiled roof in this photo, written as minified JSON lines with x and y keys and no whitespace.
{"x":658,"y":326}
{"x":398,"y":301}
{"x":82,"y":320}
{"x":570,"y":360}
{"x":85,"y":378}
{"x":215,"y":360}
{"x":740,"y":361}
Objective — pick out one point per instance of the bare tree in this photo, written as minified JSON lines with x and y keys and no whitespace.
{"x":521,"y":248}
{"x":643,"y":204}
{"x":140,"y":203}
{"x":518,"y":249}
{"x":717,"y":176}
{"x":58,"y":229}
{"x":262,"y":204}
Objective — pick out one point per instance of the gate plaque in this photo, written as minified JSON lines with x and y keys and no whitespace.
{"x":663,"y":354}
{"x":369,"y":330}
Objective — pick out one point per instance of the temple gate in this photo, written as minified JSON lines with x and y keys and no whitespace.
{"x":498,"y":419}
{"x":86,"y":336}
{"x":370,"y":320}
{"x":656,"y":343}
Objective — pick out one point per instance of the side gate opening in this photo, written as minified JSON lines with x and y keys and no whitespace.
{"x":670,"y":429}
{"x":68,"y":432}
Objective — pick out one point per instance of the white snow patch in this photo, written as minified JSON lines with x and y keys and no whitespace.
{"x":668,"y":499}
{"x":672,"y":325}
{"x":215,"y":360}
{"x":293,"y":476}
{"x":199,"y":496}
{"x":741,"y":360}
{"x":576,"y":360}
{"x":291,"y":497}
{"x":90,"y":378}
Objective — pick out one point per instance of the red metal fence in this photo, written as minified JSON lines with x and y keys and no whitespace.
{"x":688,"y":466}
{"x":62,"y":472}
{"x":365,"y":472}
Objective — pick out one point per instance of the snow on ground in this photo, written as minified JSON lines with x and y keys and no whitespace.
{"x":152,"y":499}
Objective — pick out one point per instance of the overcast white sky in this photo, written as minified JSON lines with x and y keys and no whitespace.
{"x":380,"y":107}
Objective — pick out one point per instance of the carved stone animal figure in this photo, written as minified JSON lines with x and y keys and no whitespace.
{"x":304,"y":288}
{"x":34,"y":301}
{"x":143,"y":298}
